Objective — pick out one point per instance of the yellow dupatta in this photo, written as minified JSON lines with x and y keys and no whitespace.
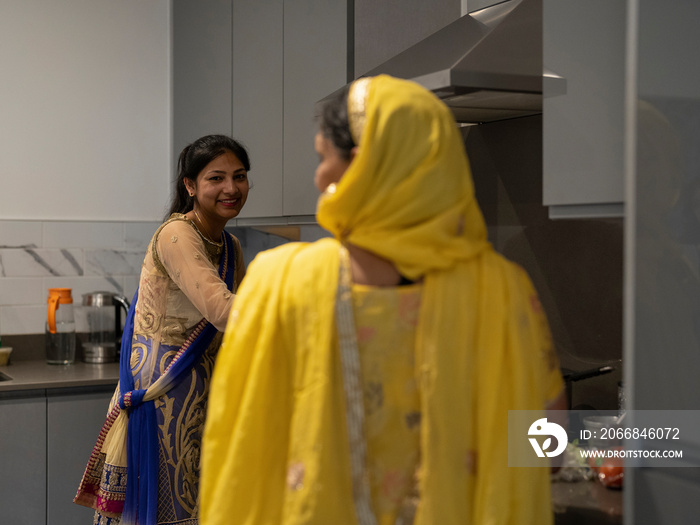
{"x":275,"y":447}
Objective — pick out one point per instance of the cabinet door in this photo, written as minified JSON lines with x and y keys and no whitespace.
{"x":74,"y":418}
{"x":583,"y":124}
{"x":258,"y":87}
{"x":201,"y":40}
{"x":23,"y":458}
{"x":661,"y":353}
{"x":315,"y":64}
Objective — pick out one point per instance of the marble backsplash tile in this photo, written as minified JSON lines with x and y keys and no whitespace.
{"x":14,"y":234}
{"x":86,"y":257}
{"x":40,"y":262}
{"x":113,"y":262}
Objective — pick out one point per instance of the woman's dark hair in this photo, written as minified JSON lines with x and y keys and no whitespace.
{"x":334,"y":124}
{"x":192,"y":161}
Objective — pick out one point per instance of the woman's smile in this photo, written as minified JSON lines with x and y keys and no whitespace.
{"x":230,"y":203}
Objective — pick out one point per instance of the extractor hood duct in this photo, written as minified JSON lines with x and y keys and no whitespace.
{"x":485,"y":66}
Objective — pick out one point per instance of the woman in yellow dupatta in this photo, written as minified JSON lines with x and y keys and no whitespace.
{"x":341,"y":396}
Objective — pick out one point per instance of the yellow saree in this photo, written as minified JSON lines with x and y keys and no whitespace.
{"x":277,"y":443}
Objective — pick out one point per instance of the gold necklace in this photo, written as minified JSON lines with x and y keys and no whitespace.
{"x":205,"y":237}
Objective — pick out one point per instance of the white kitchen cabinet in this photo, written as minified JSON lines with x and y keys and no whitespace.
{"x":583,"y":121}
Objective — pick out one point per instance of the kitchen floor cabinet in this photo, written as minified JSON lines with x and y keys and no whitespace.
{"x":46,"y":437}
{"x":73,"y":421}
{"x":23,"y":458}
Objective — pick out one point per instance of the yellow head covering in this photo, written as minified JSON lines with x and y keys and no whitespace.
{"x":408,"y":194}
{"x":276,"y":447}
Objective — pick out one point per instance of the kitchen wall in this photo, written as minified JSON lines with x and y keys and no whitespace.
{"x":86,"y":109}
{"x":575,"y":265}
{"x":87,"y":257}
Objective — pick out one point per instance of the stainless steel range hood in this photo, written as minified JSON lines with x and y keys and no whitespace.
{"x":486,"y":65}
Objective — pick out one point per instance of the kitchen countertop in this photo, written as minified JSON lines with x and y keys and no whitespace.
{"x":37,"y":374}
{"x":586,"y":502}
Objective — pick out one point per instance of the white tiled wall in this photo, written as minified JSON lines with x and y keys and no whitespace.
{"x":86,"y":257}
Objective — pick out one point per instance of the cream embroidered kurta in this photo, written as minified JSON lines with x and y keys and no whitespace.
{"x":179,"y":285}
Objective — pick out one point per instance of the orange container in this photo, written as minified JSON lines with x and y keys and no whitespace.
{"x":57,"y":297}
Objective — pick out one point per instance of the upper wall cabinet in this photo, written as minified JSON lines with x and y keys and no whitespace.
{"x":583,"y":121}
{"x":202,"y":69}
{"x":286,"y":56}
{"x":258,"y":94}
{"x":315,"y":64}
{"x":85,"y":104}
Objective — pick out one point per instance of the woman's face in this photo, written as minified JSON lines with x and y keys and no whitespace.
{"x":331,"y":165}
{"x":221,"y":188}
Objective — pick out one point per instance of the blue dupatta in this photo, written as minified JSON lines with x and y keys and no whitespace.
{"x":140,"y":500}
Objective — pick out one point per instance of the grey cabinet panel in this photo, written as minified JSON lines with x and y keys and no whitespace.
{"x":23,"y":460}
{"x":384,"y":28}
{"x":583,"y":128}
{"x":664,"y":497}
{"x":315,"y":64}
{"x":201,"y":41}
{"x":258,"y":87}
{"x":73,"y":422}
{"x":661,"y":352}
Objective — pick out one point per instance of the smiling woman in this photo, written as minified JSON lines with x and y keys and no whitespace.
{"x":189,"y":277}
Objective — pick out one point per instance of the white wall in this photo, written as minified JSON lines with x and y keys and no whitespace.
{"x":85,"y":100}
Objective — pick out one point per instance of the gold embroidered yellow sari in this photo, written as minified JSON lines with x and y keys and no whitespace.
{"x":281,"y":442}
